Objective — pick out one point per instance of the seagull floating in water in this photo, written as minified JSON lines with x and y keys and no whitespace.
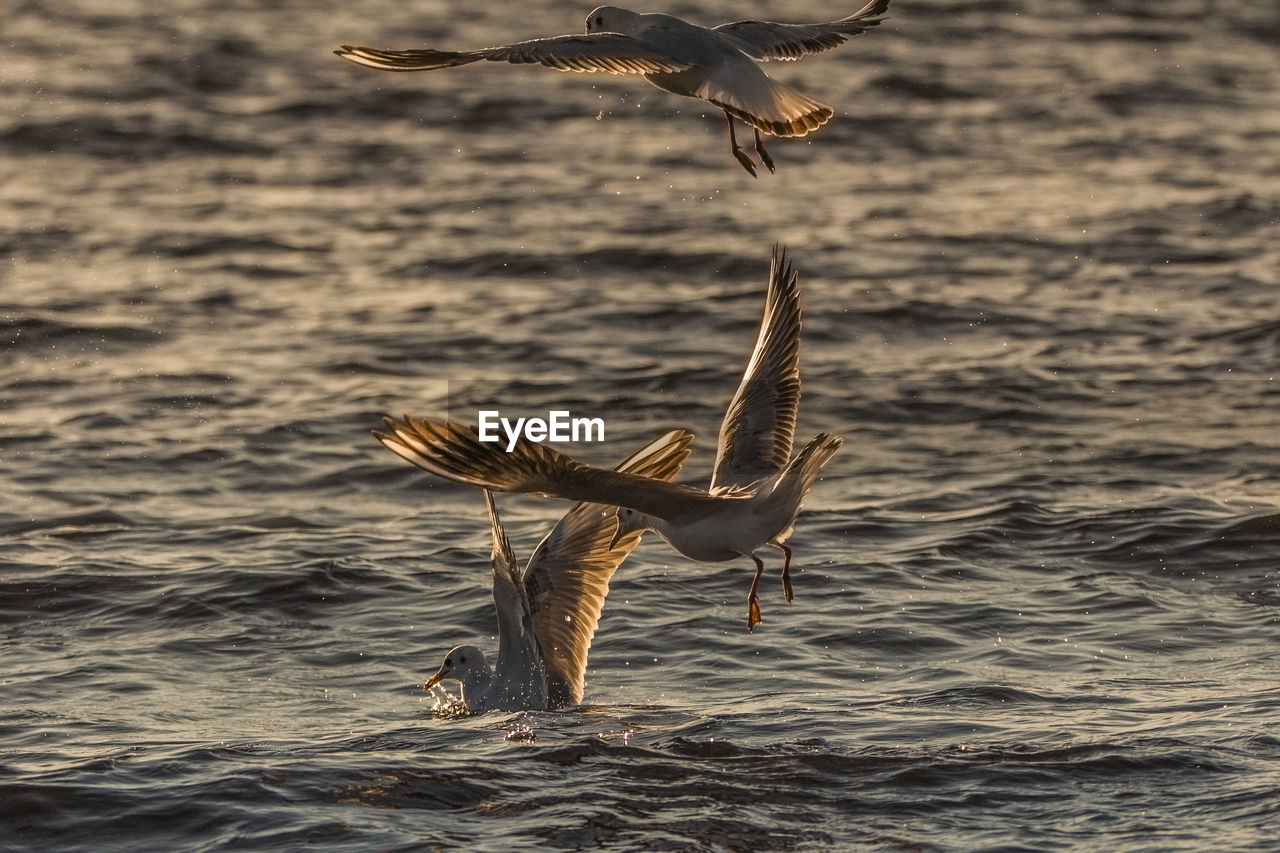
{"x":756,"y":489}
{"x":716,"y":64}
{"x":547,"y":616}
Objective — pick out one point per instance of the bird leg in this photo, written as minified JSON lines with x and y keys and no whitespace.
{"x":787,"y":591}
{"x":753,"y":603}
{"x":736,"y":150}
{"x":764,"y":155}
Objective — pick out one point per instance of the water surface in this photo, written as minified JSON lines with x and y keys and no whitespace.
{"x":1037,"y":591}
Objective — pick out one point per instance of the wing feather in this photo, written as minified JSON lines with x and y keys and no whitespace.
{"x":765,"y":40}
{"x":567,"y":578}
{"x":613,"y":53}
{"x":759,"y":426}
{"x":519,"y":669}
{"x":454,"y":451}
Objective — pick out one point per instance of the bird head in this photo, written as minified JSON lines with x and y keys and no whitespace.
{"x":460,"y":664}
{"x":609,"y":19}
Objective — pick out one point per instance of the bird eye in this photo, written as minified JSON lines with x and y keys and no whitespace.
{"x":448,"y":661}
{"x":599,"y":20}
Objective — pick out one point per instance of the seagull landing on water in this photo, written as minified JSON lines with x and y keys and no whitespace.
{"x":716,"y":64}
{"x":756,"y":489}
{"x":547,"y":616}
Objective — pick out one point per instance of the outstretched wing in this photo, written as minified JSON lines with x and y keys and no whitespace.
{"x":568,"y":576}
{"x":760,"y":423}
{"x":457,"y":452}
{"x":613,"y":53}
{"x":765,"y":40}
{"x":519,"y":670}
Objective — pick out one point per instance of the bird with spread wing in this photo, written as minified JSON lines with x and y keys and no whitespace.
{"x":716,"y":64}
{"x":547,"y":614}
{"x":756,"y":489}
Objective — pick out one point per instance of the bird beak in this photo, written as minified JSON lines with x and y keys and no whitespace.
{"x":432,"y":681}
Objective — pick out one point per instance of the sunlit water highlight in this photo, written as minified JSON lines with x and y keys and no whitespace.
{"x":1037,"y":591}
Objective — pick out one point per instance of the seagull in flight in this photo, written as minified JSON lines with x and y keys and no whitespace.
{"x":716,"y":64}
{"x":756,"y":489}
{"x":547,"y":615}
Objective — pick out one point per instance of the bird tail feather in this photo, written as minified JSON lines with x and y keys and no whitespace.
{"x":769,"y":106}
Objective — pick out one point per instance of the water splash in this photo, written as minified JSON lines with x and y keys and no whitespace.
{"x":447,"y":706}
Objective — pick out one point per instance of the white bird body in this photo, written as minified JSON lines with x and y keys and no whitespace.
{"x":706,"y":52}
{"x":747,"y":518}
{"x":715,"y":64}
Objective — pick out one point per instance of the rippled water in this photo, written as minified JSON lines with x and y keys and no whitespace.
{"x":1037,"y":595}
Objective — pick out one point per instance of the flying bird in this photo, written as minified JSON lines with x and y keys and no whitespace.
{"x":547,"y":615}
{"x":716,"y":64}
{"x":757,"y":486}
